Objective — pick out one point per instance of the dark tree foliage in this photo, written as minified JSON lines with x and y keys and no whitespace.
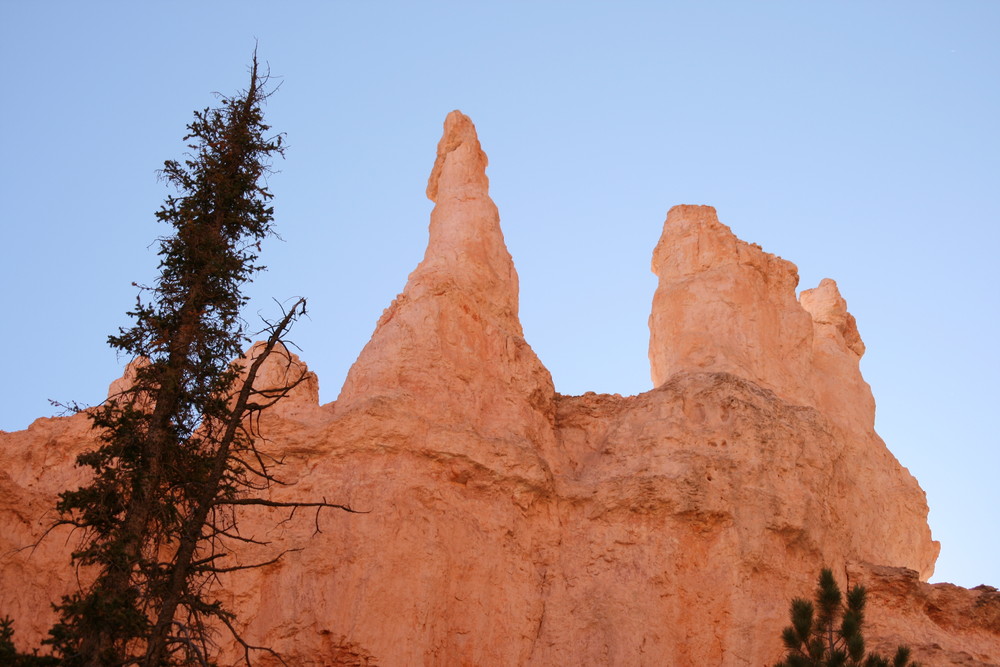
{"x":9,"y":657}
{"x":828,"y":633}
{"x":178,"y":450}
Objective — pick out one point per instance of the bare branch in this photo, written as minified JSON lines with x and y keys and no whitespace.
{"x":253,"y":566}
{"x":274,"y":503}
{"x":249,"y":647}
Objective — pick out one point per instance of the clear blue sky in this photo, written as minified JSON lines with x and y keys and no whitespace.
{"x":859,"y":140}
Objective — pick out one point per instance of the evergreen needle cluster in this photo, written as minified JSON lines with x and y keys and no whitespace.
{"x":828,"y":633}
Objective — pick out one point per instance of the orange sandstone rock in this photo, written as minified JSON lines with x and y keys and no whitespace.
{"x":943,"y":624}
{"x":509,"y":525}
{"x":450,"y":350}
{"x":35,"y":465}
{"x":726,"y":305}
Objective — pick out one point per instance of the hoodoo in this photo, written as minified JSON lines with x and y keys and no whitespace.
{"x":450,"y":348}
{"x":510,"y":525}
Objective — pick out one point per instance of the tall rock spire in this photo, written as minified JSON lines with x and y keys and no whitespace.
{"x":451,"y":343}
{"x":460,"y":167}
{"x":726,"y":305}
{"x":466,"y":249}
{"x":723,"y":304}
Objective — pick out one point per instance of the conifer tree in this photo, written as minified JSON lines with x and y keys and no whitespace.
{"x":9,"y":657}
{"x":815,"y":639}
{"x":178,"y":451}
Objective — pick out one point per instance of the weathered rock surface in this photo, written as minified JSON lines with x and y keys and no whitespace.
{"x":509,"y":525}
{"x":35,"y":465}
{"x":726,"y":305}
{"x":454,"y":332}
{"x":943,"y":624}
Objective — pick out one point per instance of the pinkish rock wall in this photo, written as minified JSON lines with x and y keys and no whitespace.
{"x":510,"y":525}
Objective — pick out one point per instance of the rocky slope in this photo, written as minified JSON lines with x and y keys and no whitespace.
{"x":510,"y":525}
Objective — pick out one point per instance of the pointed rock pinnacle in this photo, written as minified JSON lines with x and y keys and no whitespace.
{"x":451,"y":344}
{"x":466,"y":249}
{"x":460,"y":167}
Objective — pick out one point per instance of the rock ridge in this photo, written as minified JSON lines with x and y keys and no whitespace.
{"x":511,"y":525}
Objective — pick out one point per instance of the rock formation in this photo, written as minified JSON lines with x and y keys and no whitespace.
{"x":454,"y":332}
{"x":510,"y":525}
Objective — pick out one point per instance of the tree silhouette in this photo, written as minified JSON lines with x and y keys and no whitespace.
{"x":179,"y":451}
{"x":9,"y":657}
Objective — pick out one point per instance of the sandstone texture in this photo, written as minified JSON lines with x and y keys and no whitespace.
{"x":507,"y":524}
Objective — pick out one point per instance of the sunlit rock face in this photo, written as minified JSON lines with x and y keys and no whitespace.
{"x":454,"y":334}
{"x":510,"y":525}
{"x":726,"y":305}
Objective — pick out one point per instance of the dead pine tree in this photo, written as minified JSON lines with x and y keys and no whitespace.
{"x":178,"y":452}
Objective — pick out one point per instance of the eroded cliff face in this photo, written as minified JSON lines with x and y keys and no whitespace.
{"x":509,"y":525}
{"x":724,"y":305}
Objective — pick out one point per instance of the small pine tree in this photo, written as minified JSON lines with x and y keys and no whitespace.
{"x":9,"y":657}
{"x":814,"y":639}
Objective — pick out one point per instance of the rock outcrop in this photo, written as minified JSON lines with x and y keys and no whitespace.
{"x":454,"y":332}
{"x":510,"y":525}
{"x":726,"y":305}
